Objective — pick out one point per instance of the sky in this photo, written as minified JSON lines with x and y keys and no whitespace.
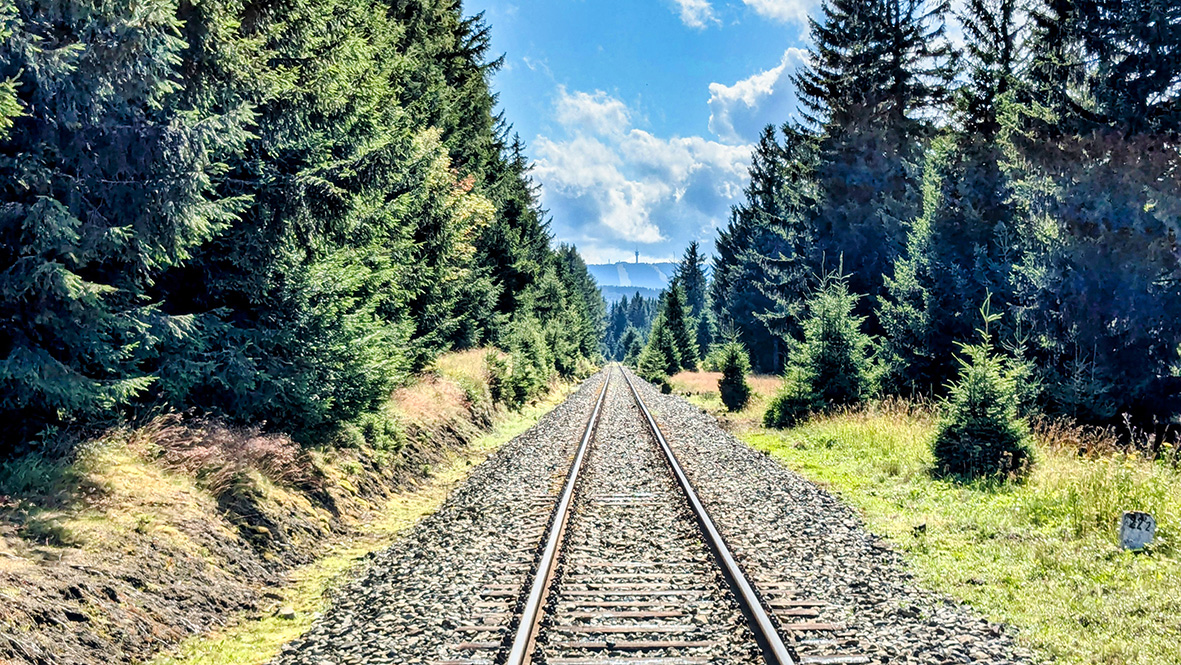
{"x":640,"y":115}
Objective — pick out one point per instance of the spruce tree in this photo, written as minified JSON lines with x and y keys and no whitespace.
{"x":675,"y":318}
{"x":963,"y":246}
{"x":736,"y":297}
{"x":832,"y":366}
{"x":660,"y":357}
{"x":732,"y":387}
{"x":788,"y":254}
{"x":980,"y":433}
{"x":834,"y":349}
{"x":588,"y":322}
{"x":877,"y":69}
{"x":653,"y":363}
{"x":691,"y":275}
{"x":104,"y":185}
{"x":10,"y":106}
{"x":631,"y":343}
{"x":1095,"y":285}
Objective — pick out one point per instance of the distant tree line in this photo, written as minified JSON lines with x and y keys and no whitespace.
{"x":268,"y":212}
{"x":1036,"y":168}
{"x":628,"y":324}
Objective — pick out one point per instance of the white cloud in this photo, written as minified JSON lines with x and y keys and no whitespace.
{"x":598,"y":113}
{"x":738,"y":112}
{"x":612,"y":187}
{"x":696,"y":13}
{"x":783,"y":10}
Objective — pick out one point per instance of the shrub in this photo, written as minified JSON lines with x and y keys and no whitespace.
{"x":532,"y":362}
{"x":498,"y":376}
{"x":793,"y":402}
{"x":380,"y":430}
{"x":831,"y":367}
{"x":32,"y":474}
{"x":981,"y":434}
{"x":734,"y":365}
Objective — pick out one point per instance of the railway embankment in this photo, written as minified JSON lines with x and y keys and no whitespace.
{"x":223,"y":540}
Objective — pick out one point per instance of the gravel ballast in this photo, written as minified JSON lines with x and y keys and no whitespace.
{"x":447,"y":592}
{"x":636,"y":580}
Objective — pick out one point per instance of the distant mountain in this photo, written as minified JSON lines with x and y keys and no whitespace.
{"x":644,"y":275}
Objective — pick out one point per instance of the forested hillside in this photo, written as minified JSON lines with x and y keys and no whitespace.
{"x":1035,"y":167}
{"x":266,"y":212}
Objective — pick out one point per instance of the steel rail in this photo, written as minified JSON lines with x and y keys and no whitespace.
{"x":774,"y":650}
{"x":521,"y":651}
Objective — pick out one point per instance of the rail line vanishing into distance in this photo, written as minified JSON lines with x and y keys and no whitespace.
{"x":632,"y":570}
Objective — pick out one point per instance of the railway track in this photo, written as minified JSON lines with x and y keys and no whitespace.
{"x":631,"y":569}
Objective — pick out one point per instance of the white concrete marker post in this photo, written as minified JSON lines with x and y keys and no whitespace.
{"x":1136,"y":530}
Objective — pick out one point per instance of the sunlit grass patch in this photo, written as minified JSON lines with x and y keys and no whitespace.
{"x":1042,"y":554}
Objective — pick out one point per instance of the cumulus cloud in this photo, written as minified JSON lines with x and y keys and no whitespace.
{"x":599,"y":112}
{"x":738,"y":112}
{"x":696,"y":13}
{"x":612,"y":187}
{"x":783,"y":10}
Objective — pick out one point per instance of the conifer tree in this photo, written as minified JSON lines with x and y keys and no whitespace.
{"x":735,"y":294}
{"x":286,"y":211}
{"x":877,"y":67}
{"x":691,"y":275}
{"x":630,"y":346}
{"x":963,"y":246}
{"x":104,"y":184}
{"x":1096,"y":286}
{"x":831,"y":367}
{"x":981,"y":434}
{"x":10,"y":106}
{"x":653,"y":364}
{"x":732,"y":387}
{"x":674,"y":317}
{"x":788,"y":255}
{"x":588,"y":309}
{"x":661,"y":351}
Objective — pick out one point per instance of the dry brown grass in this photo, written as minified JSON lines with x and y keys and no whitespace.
{"x":431,"y":403}
{"x":217,"y":456}
{"x":706,"y":383}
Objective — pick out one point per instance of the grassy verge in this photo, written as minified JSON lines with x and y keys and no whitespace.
{"x":256,"y":641}
{"x":1041,"y":555}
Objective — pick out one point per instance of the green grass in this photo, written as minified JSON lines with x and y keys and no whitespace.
{"x":252,"y":642}
{"x":1041,"y":555}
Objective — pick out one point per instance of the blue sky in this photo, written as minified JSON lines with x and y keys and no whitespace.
{"x":640,"y":115}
